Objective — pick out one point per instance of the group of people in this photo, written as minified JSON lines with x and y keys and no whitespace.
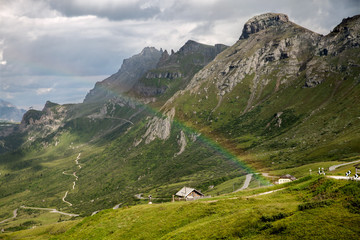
{"x":348,"y":173}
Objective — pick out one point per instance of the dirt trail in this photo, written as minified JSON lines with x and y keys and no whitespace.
{"x":52,"y":210}
{"x":63,"y":199}
{"x":216,"y":107}
{"x":265,"y":193}
{"x":344,"y":178}
{"x":117,"y":206}
{"x":128,"y":121}
{"x":255,"y":195}
{"x":8,"y":219}
{"x":76,"y":179}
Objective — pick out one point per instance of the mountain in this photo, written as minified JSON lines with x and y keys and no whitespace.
{"x":281,"y":96}
{"x":173,"y":72}
{"x":9,"y":112}
{"x":152,"y":73}
{"x":131,"y":70}
{"x":281,"y":100}
{"x":115,"y":144}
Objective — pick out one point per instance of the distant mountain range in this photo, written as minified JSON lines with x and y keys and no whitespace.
{"x":9,"y":112}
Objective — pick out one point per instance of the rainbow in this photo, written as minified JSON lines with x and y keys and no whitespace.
{"x":207,"y":141}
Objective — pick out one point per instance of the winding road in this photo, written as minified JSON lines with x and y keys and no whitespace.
{"x":332,"y":168}
{"x":53,"y":210}
{"x":246,"y":183}
{"x":74,"y":183}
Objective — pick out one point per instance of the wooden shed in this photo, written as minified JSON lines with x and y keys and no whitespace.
{"x":188,"y":193}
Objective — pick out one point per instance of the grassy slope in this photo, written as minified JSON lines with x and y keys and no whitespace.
{"x":311,"y":208}
{"x":318,"y":124}
{"x":112,"y":172}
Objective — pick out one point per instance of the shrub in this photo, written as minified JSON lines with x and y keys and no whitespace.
{"x":312,"y":205}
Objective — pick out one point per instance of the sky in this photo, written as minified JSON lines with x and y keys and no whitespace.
{"x":58,"y":49}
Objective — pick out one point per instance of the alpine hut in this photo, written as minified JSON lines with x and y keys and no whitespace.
{"x":188,"y":193}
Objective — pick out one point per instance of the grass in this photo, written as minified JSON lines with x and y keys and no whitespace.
{"x":311,"y":208}
{"x":112,"y":172}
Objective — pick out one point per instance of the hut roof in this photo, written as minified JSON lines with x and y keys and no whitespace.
{"x":288,"y":176}
{"x":185,"y":191}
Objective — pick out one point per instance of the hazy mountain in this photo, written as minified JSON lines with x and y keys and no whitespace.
{"x":9,"y":112}
{"x":129,"y":73}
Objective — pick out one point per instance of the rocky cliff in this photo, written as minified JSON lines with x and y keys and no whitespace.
{"x":131,"y":70}
{"x":173,"y":72}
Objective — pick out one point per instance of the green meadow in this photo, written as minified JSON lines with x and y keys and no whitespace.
{"x":309,"y":208}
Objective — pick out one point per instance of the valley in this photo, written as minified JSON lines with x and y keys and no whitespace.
{"x":228,"y":121}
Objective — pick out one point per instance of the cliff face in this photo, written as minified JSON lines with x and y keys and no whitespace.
{"x":128,"y":75}
{"x":262,"y":22}
{"x":40,"y":124}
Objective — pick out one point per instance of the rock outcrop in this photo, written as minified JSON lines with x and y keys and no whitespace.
{"x":159,"y":127}
{"x":39,"y":124}
{"x":182,"y":143}
{"x":261,"y":22}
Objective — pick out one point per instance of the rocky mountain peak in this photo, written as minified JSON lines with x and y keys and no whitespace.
{"x":263,"y":21}
{"x":348,"y":24}
{"x":127,"y":76}
{"x":164,"y":57}
{"x":148,"y":51}
{"x":49,"y":105}
{"x":190,"y":46}
{"x":346,"y":35}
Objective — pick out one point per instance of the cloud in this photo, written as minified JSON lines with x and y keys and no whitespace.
{"x":2,"y":60}
{"x":111,"y":9}
{"x":8,"y":96}
{"x":41,"y":91}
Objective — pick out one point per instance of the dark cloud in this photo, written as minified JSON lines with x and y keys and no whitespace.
{"x":113,"y":10}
